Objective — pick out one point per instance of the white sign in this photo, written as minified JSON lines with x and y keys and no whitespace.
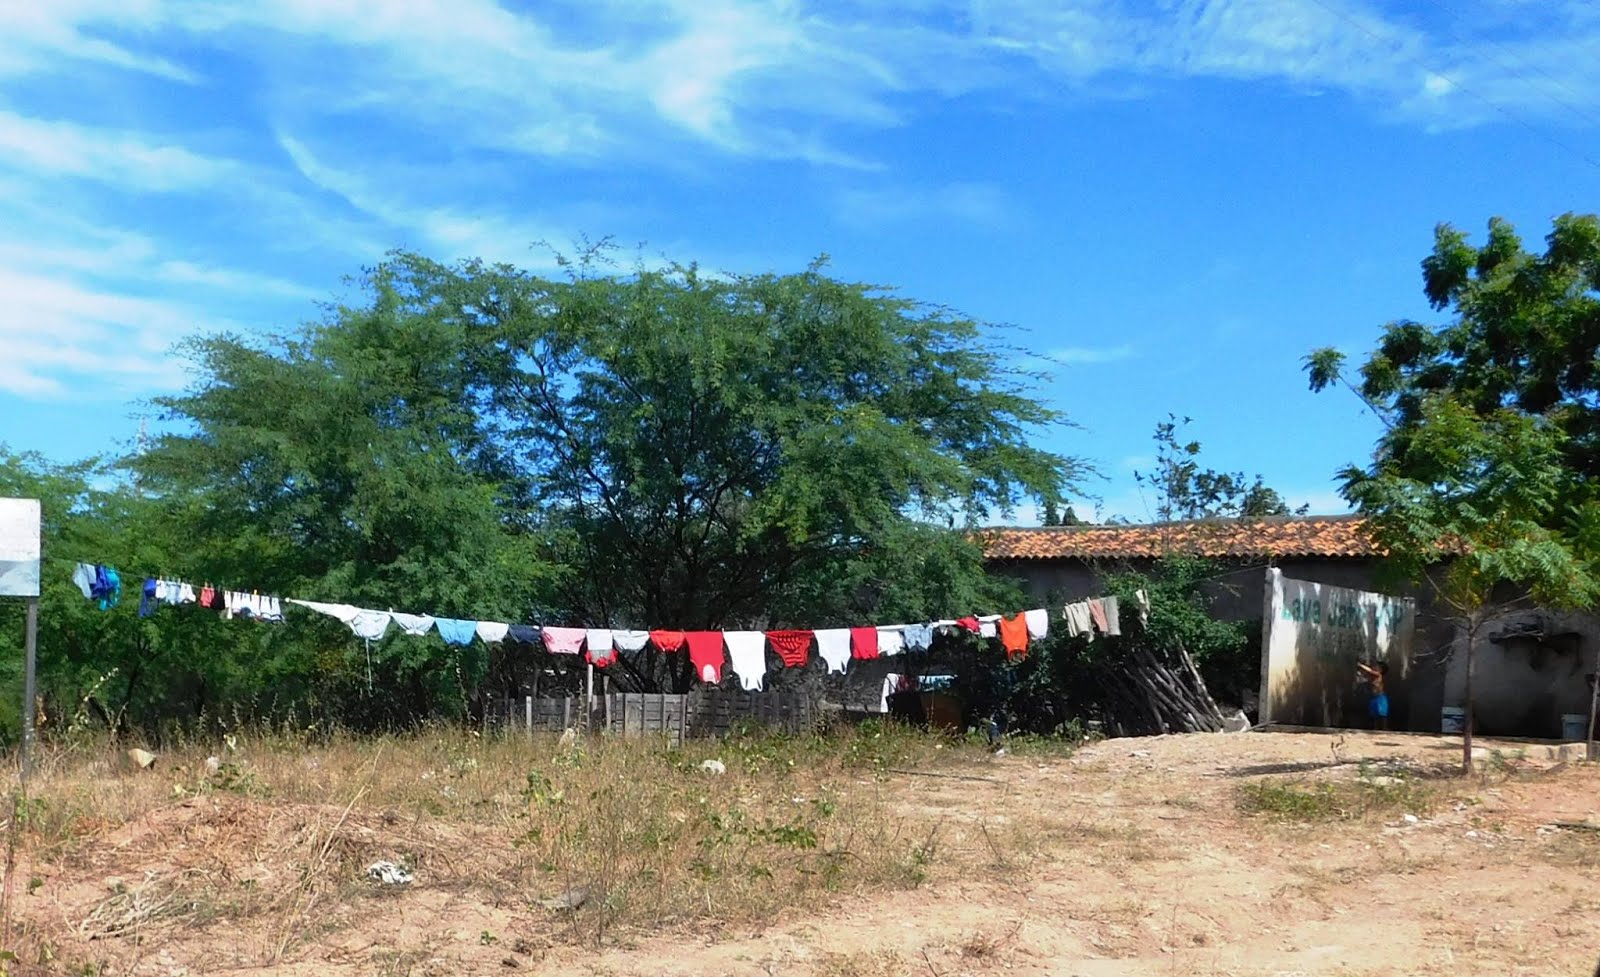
{"x":19,"y":547}
{"x":1313,"y":635}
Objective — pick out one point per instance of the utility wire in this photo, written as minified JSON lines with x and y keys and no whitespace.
{"x":1576,"y":109}
{"x":1541,"y":133}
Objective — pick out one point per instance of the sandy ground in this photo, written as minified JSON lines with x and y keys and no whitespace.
{"x":1130,"y":858}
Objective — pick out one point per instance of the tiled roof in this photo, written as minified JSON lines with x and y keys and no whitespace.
{"x":1336,"y":536}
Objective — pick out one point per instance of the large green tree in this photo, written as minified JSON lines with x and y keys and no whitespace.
{"x":654,"y":448}
{"x":1484,"y":484}
{"x":348,"y":463}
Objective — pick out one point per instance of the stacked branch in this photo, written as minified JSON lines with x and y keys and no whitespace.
{"x":1154,"y":692}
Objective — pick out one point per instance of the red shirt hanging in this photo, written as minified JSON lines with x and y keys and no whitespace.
{"x":794,"y":647}
{"x":706,"y":654}
{"x":863,"y":643}
{"x":1014,"y":635}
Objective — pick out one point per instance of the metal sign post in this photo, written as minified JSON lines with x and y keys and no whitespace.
{"x":1594,"y":709}
{"x":30,"y":656}
{"x":19,"y":577}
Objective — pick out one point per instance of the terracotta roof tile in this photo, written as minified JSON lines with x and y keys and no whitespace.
{"x":1333,"y":536}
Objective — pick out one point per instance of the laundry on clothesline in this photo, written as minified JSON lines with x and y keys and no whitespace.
{"x":891,"y":639}
{"x":670,"y":642}
{"x":706,"y":655}
{"x":412,"y":624}
{"x":1038,"y":622}
{"x":710,"y":652}
{"x":1014,"y":636}
{"x":917,"y":637}
{"x":833,"y":647}
{"x":1098,"y":615}
{"x":747,"y":653}
{"x":563,"y":641}
{"x":864,"y":643}
{"x":600,"y":646}
{"x":793,"y":648}
{"x":630,"y":641}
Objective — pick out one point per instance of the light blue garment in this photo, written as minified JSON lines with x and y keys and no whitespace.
{"x":456,"y":632}
{"x":83,"y":578}
{"x":918,"y":637}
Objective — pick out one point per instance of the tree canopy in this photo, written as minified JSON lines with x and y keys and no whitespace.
{"x":660,"y":447}
{"x":1485,"y":478}
{"x":1182,"y":489}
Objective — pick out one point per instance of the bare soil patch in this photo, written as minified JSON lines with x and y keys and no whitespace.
{"x":1247,"y":855}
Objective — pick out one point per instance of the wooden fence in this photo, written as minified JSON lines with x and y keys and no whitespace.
{"x":702,"y":713}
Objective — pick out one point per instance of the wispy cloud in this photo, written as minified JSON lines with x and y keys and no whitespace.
{"x":59,"y":337}
{"x":93,"y":310}
{"x":779,"y":77}
{"x":581,"y":88}
{"x":131,"y":161}
{"x":981,"y":204}
{"x":38,"y":36}
{"x":1083,"y":355}
{"x":450,"y":230}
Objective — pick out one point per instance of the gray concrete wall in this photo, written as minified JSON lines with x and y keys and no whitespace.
{"x":1522,"y":688}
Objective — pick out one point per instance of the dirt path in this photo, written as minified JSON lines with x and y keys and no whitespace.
{"x":1131,"y":858}
{"x":1144,"y":866}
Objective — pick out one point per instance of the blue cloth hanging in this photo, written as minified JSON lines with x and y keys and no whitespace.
{"x":456,"y":632}
{"x":107,"y":587}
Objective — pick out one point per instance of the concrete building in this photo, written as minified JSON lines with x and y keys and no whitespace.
{"x":1532,"y":664}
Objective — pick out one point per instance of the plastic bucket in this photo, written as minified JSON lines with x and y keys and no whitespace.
{"x":1452,"y":719}
{"x":1574,"y":726}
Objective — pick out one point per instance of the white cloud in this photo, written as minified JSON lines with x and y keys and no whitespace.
{"x":776,"y":77}
{"x":230,"y":280}
{"x":57,"y":337}
{"x":982,"y":204}
{"x":92,"y":310}
{"x":1080,"y":355}
{"x":456,"y":233}
{"x":36,"y":36}
{"x":56,"y":149}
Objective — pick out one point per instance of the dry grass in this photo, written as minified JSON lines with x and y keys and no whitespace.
{"x":862,"y":963}
{"x":1325,"y":801}
{"x":275,"y":842}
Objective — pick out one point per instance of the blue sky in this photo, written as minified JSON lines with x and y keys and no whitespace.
{"x":1172,"y":201}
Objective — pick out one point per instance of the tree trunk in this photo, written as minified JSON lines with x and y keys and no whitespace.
{"x":1467,"y":711}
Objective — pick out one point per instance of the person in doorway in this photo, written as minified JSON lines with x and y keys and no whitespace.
{"x":1378,"y":705}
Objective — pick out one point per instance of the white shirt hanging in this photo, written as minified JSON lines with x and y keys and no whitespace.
{"x":833,"y":647}
{"x":630,"y":640}
{"x":412,"y":624}
{"x":370,"y":625}
{"x":891,"y":639}
{"x":1038,"y":622}
{"x":747,"y":653}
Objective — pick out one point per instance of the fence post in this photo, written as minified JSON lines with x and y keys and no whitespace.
{"x":527,"y":708}
{"x":566,"y":713}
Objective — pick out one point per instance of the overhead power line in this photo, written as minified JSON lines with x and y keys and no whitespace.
{"x":1455,"y":84}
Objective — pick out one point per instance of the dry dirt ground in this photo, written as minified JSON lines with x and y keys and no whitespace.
{"x":1132,"y":857}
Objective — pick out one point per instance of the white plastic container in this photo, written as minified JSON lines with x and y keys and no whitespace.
{"x":1574,"y":727}
{"x":1452,"y":719}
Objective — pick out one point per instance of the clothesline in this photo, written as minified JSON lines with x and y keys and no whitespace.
{"x":709,"y":651}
